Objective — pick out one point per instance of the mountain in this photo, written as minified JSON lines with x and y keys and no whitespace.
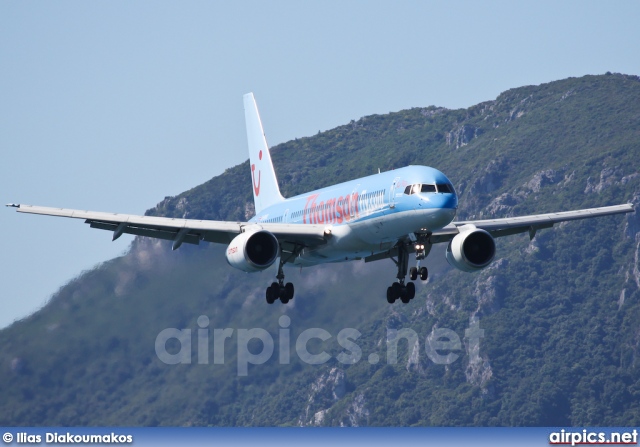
{"x":559,"y":314}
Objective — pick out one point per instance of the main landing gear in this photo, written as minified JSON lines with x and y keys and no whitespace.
{"x":280,"y":290}
{"x":398,"y":290}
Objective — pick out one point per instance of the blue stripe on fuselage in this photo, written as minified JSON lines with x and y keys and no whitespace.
{"x":362,"y":199}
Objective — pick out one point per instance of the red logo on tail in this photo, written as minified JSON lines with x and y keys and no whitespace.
{"x":256,"y":188}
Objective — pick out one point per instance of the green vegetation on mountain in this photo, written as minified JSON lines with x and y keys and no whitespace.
{"x":560,"y":313}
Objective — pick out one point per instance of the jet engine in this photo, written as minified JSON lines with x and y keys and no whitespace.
{"x":253,"y":251}
{"x":471,"y":250}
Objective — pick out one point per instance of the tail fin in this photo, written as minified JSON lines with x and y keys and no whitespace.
{"x":265,"y":184}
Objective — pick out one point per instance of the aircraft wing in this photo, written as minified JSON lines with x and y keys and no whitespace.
{"x":180,"y":231}
{"x":521,"y":224}
{"x":512,"y":225}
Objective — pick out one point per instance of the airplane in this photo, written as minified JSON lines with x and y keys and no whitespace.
{"x":389,"y":215}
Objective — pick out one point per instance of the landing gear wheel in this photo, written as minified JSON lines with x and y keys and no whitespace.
{"x":289,"y":291}
{"x":280,"y":290}
{"x":284,"y":298}
{"x":390,"y":298}
{"x":411,"y":290}
{"x":396,"y":290}
{"x":413,"y":273}
{"x":424,"y":273}
{"x":270,"y":298}
{"x":408,"y":292}
{"x":273,"y":291}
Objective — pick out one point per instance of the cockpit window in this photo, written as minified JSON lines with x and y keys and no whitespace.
{"x":445,"y":188}
{"x":417,"y":187}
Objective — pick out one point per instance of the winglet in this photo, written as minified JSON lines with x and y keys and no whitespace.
{"x":13,"y":205}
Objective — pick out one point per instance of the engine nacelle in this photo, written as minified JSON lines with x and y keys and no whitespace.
{"x":471,"y":250}
{"x":253,"y":251}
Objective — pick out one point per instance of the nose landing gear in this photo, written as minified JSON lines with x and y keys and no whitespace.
{"x":423,"y":247}
{"x":422,"y":272}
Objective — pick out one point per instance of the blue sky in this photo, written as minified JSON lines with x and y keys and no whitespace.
{"x":111,"y":106}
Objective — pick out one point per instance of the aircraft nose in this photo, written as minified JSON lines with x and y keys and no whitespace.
{"x":449,"y":201}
